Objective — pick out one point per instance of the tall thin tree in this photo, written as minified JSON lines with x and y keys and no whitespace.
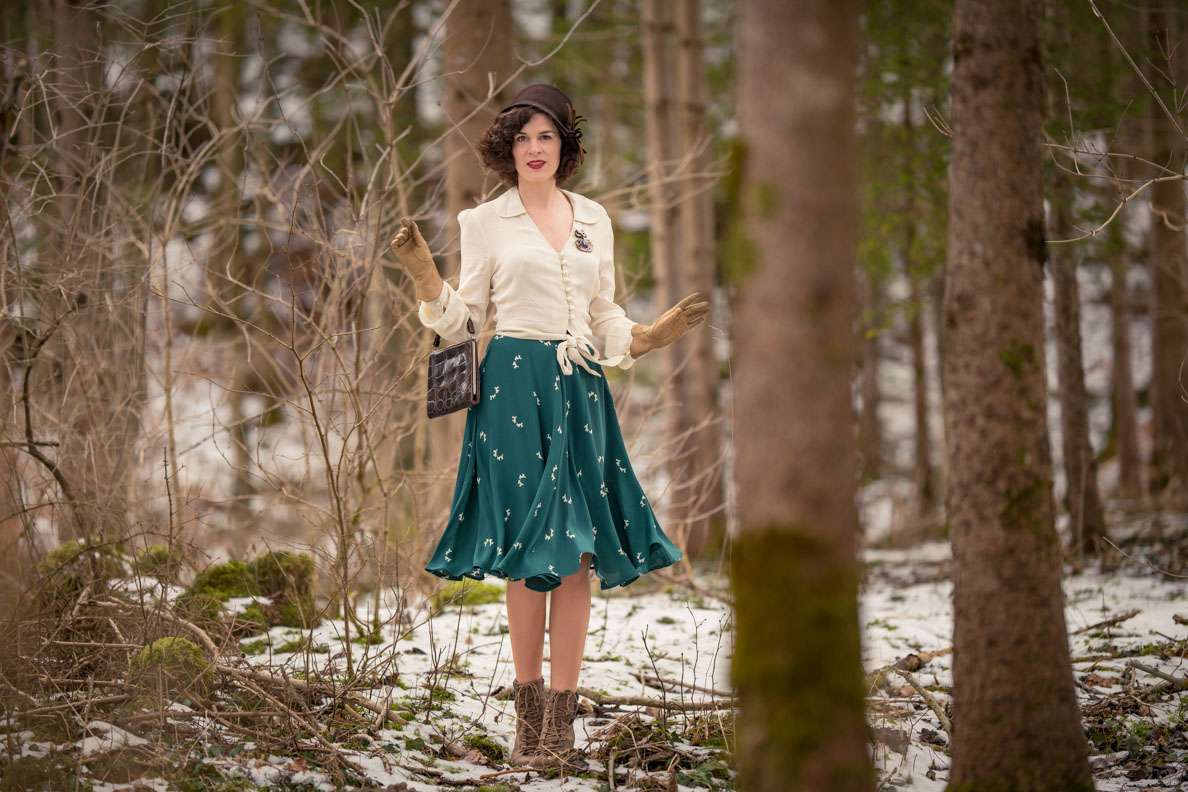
{"x":1169,"y":261}
{"x":1011,"y":731}
{"x":795,"y":576}
{"x":478,"y":57}
{"x":1087,"y":526}
{"x":705,"y":497}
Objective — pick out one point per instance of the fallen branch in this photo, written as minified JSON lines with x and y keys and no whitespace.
{"x":311,"y":688}
{"x":1108,"y":622}
{"x":650,"y":679}
{"x":643,"y":701}
{"x":932,"y":703}
{"x":911,"y":662}
{"x":1172,"y":682}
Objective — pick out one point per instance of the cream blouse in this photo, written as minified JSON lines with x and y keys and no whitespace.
{"x":508,"y":268}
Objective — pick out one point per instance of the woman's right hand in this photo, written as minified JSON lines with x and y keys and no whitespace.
{"x":409,"y":246}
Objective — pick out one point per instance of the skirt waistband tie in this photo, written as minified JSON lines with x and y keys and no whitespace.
{"x":578,"y":351}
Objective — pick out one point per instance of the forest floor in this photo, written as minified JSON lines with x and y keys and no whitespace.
{"x":441,"y":675}
{"x":1127,"y":637}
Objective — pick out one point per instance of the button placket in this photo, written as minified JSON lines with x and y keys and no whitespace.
{"x":566,"y":283}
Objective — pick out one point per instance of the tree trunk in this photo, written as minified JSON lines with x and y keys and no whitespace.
{"x":1125,"y":401}
{"x":1169,"y":291}
{"x":478,"y":55}
{"x":797,"y":663}
{"x":870,"y":432}
{"x":227,"y":266}
{"x":90,"y":369}
{"x":13,"y":518}
{"x":668,"y":250}
{"x":922,"y":458}
{"x":1086,"y":520}
{"x":1013,"y":729}
{"x":703,"y":480}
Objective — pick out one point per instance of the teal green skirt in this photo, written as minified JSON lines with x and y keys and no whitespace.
{"x":543,"y":477}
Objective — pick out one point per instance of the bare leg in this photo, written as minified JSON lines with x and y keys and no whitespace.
{"x":526,"y":624}
{"x":569,"y":619}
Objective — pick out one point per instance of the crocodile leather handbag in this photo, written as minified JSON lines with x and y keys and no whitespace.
{"x":453,"y":375}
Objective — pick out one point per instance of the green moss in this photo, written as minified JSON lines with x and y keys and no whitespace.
{"x":250,"y":620}
{"x":161,"y":561}
{"x":767,"y":197}
{"x":372,"y":638}
{"x":464,"y":592}
{"x":287,"y":580}
{"x":485,"y":745}
{"x":53,"y":771}
{"x":202,"y":601}
{"x":1025,"y":505}
{"x":173,"y":664}
{"x":738,"y":257}
{"x":224,"y":581}
{"x":797,"y":619}
{"x":253,"y":648}
{"x":293,"y":645}
{"x":66,"y":570}
{"x":1018,"y":356}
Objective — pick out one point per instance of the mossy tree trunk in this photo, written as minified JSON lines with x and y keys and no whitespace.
{"x":1015,"y":718}
{"x":795,"y":578}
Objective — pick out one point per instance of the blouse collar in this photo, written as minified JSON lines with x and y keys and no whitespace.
{"x":510,"y":205}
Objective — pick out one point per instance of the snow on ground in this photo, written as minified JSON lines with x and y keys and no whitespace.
{"x":905,"y":608}
{"x":902,"y":619}
{"x":670,"y":634}
{"x":459,"y":659}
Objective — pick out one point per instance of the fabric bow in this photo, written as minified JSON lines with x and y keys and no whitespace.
{"x":578,"y":351}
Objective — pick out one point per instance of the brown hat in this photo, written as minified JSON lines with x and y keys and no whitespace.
{"x":553,"y":101}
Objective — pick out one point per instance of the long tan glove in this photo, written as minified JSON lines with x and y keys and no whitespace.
{"x":409,"y":246}
{"x":675,"y":322}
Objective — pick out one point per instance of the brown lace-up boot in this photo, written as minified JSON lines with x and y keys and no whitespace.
{"x":556,"y":737}
{"x":529,"y":698}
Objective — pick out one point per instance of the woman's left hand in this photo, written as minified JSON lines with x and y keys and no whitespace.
{"x":675,"y":322}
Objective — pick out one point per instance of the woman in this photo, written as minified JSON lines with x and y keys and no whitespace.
{"x":545,"y":491}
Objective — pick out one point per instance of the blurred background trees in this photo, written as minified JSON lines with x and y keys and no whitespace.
{"x":200,"y":343}
{"x":198,"y":203}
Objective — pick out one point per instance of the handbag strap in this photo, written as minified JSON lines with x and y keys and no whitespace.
{"x":469,"y":329}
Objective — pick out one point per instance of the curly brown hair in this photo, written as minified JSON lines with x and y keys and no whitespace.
{"x":495,"y":146}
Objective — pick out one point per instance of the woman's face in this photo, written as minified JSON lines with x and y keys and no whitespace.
{"x":537,"y":150}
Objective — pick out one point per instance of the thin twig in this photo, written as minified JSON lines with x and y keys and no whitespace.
{"x":1107,"y":622}
{"x":932,"y":703}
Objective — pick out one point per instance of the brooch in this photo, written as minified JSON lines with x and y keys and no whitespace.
{"x":582,"y":243}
